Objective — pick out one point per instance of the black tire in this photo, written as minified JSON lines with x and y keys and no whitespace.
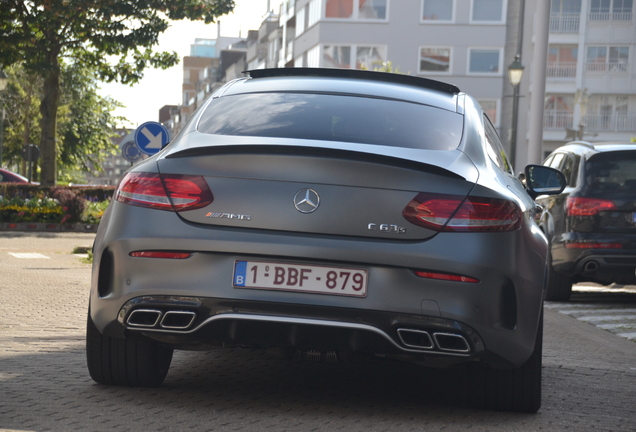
{"x":134,"y":362}
{"x":509,"y":389}
{"x":559,"y":287}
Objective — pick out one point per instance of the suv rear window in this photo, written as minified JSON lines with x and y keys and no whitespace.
{"x":331,"y":117}
{"x":615,"y":171}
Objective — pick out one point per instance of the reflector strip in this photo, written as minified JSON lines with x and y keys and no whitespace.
{"x":160,"y":254}
{"x":445,"y":276}
{"x":593,"y":245}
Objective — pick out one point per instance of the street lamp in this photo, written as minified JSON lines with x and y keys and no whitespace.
{"x":4,"y":80}
{"x":515,"y":72}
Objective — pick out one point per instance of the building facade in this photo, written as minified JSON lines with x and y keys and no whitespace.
{"x":591,"y":73}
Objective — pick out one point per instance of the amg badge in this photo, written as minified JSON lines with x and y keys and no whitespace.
{"x":228,"y":216}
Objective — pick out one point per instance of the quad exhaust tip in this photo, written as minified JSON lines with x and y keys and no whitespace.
{"x":144,"y":318}
{"x":415,"y":338}
{"x":170,"y":320}
{"x":421,"y":339}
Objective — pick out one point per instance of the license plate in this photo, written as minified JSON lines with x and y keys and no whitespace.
{"x":304,"y":278}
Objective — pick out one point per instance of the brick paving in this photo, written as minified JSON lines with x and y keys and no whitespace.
{"x":589,"y":374}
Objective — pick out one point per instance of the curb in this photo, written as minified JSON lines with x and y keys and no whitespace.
{"x":48,"y":227}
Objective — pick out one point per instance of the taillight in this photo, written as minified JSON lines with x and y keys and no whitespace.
{"x":171,"y":192}
{"x":580,"y":206}
{"x":160,"y":254}
{"x":592,"y":245}
{"x":455,"y":213}
{"x":445,"y":276}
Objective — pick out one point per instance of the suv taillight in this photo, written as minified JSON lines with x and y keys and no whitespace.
{"x":580,"y":206}
{"x":172,"y":192}
{"x":458,"y":214}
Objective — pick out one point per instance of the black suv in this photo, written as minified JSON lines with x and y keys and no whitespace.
{"x":591,"y":225}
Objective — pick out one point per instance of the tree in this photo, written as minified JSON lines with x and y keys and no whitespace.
{"x":42,"y":33}
{"x":84,"y":118}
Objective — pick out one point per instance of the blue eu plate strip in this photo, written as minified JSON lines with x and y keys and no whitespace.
{"x":240,"y":271}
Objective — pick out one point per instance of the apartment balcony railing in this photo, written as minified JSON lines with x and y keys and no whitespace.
{"x":564,"y":23}
{"x":607,"y":66}
{"x":561,"y":70}
{"x":557,"y":120}
{"x":610,"y":122}
{"x":610,"y":16}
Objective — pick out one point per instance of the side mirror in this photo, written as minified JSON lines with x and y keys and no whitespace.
{"x":543,"y":180}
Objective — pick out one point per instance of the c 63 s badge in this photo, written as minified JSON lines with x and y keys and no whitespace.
{"x":386,"y":228}
{"x":228,"y":216}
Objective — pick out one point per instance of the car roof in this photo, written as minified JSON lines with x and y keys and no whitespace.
{"x":347,"y":82}
{"x":589,"y":149}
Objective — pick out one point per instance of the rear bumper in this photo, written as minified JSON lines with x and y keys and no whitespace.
{"x":497,"y":317}
{"x":210,"y":322}
{"x":604,"y":266}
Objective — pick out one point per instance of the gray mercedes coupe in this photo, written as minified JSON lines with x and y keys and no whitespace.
{"x":324,"y":213}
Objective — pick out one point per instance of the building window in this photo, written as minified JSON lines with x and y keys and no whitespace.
{"x":356,"y":9}
{"x":558,"y":112}
{"x":300,"y":22}
{"x":607,"y":59}
{"x":484,"y":61}
{"x":336,"y":57}
{"x":609,"y":113}
{"x":491,"y":109}
{"x":437,"y":10}
{"x":313,"y":57}
{"x":313,"y":12}
{"x":565,"y":16}
{"x":341,"y":56}
{"x":611,"y":10}
{"x":491,"y":11}
{"x":435,"y":60}
{"x":562,"y":61}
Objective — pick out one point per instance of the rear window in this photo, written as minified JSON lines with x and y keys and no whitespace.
{"x":615,"y":171}
{"x":333,"y":118}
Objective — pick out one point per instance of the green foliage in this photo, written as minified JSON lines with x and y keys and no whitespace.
{"x":22,"y":112}
{"x":113,"y":38}
{"x":94,"y":211}
{"x":85,"y":122}
{"x":386,"y":66}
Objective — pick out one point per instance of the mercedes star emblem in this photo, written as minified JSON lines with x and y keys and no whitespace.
{"x":306,"y":200}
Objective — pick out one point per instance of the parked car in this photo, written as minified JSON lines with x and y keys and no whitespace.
{"x":591,"y":225}
{"x":11,"y":177}
{"x":325,"y":212}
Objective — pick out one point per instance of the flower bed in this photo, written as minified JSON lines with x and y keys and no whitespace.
{"x":53,"y":209}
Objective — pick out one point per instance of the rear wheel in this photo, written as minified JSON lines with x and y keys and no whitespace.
{"x":135,"y":361}
{"x":559,"y":286}
{"x":509,"y":390}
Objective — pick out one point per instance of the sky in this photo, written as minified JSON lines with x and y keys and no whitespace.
{"x":163,"y":87}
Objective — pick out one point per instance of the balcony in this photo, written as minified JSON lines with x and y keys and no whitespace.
{"x":564,"y":23}
{"x":610,"y":122}
{"x":561,"y":70}
{"x":557,"y":120}
{"x":610,"y":16}
{"x":607,"y":66}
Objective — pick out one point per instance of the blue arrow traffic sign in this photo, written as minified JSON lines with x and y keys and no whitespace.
{"x":150,"y":137}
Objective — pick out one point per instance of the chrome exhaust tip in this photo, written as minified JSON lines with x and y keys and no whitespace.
{"x":590,"y":267}
{"x":451,"y":342}
{"x":144,"y":318}
{"x":177,"y":320}
{"x":415,"y":338}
